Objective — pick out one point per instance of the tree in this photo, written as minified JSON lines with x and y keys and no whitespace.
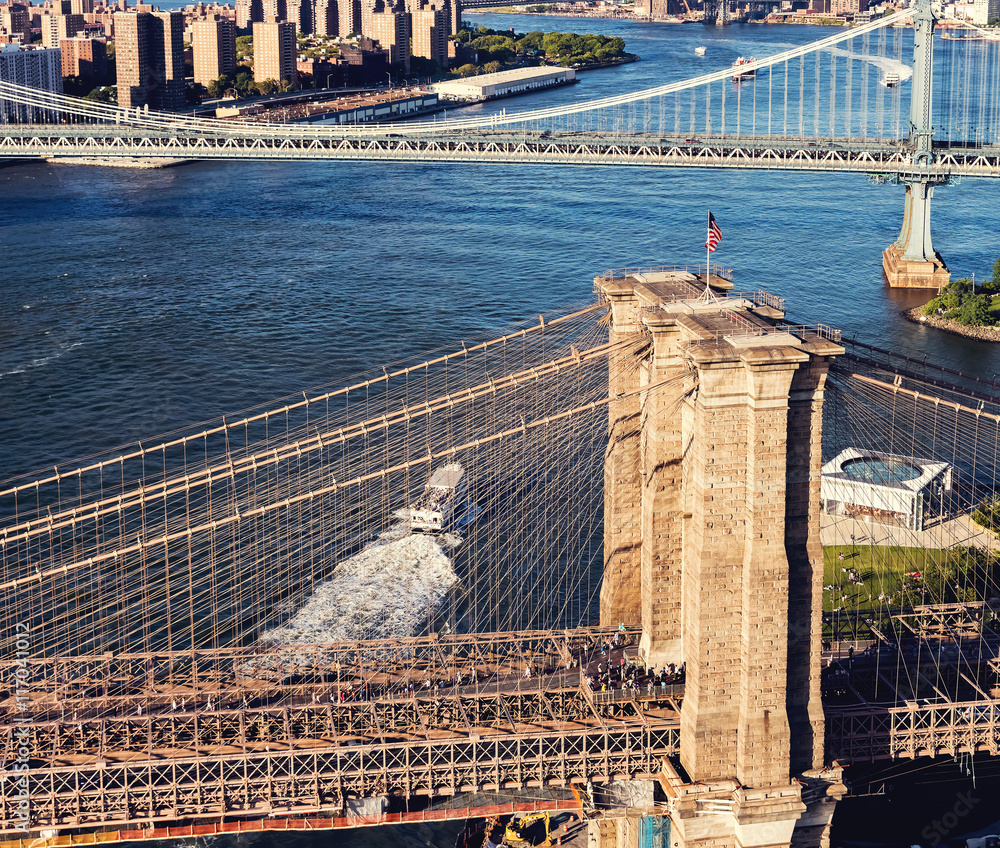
{"x":531,"y":41}
{"x":244,"y":47}
{"x":954,"y":294}
{"x":987,"y":514}
{"x":466,"y":70}
{"x":219,"y":87}
{"x":268,"y":86}
{"x":421,"y":66}
{"x":975,"y":311}
{"x":194,"y":92}
{"x":951,"y":298}
{"x":75,"y":86}
{"x":244,"y":82}
{"x":992,"y":285}
{"x":491,"y":67}
{"x":99,"y":95}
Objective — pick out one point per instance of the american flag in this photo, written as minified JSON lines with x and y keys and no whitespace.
{"x":714,"y":233}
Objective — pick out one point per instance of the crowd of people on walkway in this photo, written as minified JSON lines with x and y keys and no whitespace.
{"x":634,"y":679}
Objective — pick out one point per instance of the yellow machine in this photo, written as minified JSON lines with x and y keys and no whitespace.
{"x":522,"y":832}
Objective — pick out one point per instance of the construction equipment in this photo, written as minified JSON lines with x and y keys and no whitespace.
{"x":525,"y":831}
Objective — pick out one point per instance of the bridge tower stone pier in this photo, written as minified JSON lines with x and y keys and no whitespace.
{"x":724,"y":514}
{"x":911,"y":261}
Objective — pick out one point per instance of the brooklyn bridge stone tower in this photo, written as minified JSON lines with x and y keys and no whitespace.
{"x":712,"y":544}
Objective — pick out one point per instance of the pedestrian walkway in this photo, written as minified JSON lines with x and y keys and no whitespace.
{"x":946,"y":533}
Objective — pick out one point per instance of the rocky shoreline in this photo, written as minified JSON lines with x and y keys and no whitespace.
{"x":983,"y":334}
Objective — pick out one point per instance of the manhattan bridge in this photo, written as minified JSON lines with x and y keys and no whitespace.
{"x":237,"y":627}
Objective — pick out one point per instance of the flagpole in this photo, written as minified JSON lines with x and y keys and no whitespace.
{"x":708,"y":296}
{"x":708,"y":253}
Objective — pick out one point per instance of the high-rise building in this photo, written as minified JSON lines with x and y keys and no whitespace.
{"x":35,"y":68}
{"x":83,"y":57}
{"x":348,"y":17}
{"x":369,"y":8}
{"x":274,"y":10}
{"x":149,"y":54}
{"x":15,"y":21}
{"x":248,"y":12}
{"x":168,"y":55}
{"x":985,"y":11}
{"x":391,"y":30}
{"x":81,"y":7}
{"x":430,"y":33}
{"x":274,"y":52}
{"x":214,"y":46}
{"x":57,"y":27}
{"x":300,"y":13}
{"x":325,"y":17}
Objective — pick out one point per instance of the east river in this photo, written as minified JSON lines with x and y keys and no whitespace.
{"x":134,"y":302}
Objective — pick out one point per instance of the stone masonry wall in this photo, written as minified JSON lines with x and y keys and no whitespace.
{"x":763,"y":752}
{"x":621,"y":588}
{"x":713,"y":558}
{"x":805,"y":561}
{"x":662,"y":499}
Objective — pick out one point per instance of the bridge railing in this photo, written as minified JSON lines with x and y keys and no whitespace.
{"x":822,"y":330}
{"x":618,"y":273}
{"x":639,"y":693}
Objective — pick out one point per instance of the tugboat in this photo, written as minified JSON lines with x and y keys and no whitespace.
{"x":699,"y":51}
{"x":738,"y":66}
{"x":891,"y":79}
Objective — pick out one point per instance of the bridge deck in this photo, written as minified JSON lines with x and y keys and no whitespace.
{"x":118,"y":747}
{"x":504,"y":146}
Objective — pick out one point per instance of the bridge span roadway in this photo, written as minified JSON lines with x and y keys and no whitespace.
{"x":150,"y":740}
{"x":884,"y":158}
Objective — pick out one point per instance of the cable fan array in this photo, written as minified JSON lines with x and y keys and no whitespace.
{"x":214,"y":537}
{"x":919,"y":582}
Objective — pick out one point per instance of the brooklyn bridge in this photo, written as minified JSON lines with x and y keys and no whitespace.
{"x":697,"y":558}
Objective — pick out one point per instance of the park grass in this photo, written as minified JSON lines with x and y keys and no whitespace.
{"x":881,"y":569}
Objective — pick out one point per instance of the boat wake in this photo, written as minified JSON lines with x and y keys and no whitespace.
{"x":883,"y":63}
{"x":386,"y":591}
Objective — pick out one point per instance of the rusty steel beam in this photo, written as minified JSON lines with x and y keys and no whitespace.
{"x":150,"y":790}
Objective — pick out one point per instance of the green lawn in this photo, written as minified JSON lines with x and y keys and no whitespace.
{"x":881,"y":570}
{"x":995,"y":309}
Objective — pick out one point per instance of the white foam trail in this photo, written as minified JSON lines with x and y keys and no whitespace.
{"x":384,"y":592}
{"x":883,"y":63}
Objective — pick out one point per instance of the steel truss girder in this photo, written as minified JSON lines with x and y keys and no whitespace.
{"x":529,"y":147}
{"x":82,"y":687}
{"x":150,"y":790}
{"x":248,"y":728}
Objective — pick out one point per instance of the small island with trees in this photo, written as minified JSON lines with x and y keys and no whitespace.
{"x":964,"y":308}
{"x":498,"y":50}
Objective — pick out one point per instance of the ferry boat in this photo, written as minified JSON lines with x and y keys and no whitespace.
{"x":891,"y":79}
{"x":436,"y":509}
{"x":738,"y":66}
{"x":699,"y":51}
